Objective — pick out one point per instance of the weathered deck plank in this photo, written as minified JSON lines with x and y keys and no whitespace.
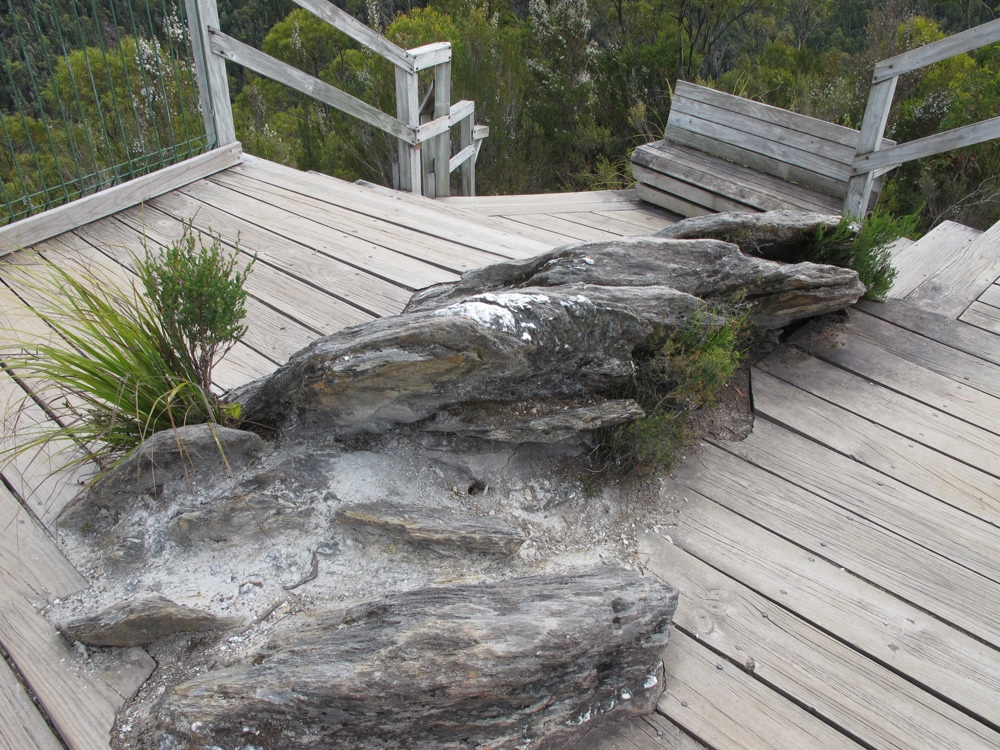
{"x":448,"y":255}
{"x":727,"y":709}
{"x":641,"y":733}
{"x":953,"y":334}
{"x":23,"y":727}
{"x":964,"y":487}
{"x":80,"y":708}
{"x":950,"y":591}
{"x":869,"y":494}
{"x":961,"y":277}
{"x":982,"y":316}
{"x":938,"y":658}
{"x":879,"y":365}
{"x":860,"y":697}
{"x":356,"y":252}
{"x":32,"y":564}
{"x":926,"y":256}
{"x":905,"y":416}
{"x":401,"y":209}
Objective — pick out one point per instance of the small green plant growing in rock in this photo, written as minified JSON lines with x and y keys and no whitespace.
{"x":123,"y":364}
{"x":864,"y":248}
{"x":672,"y":378}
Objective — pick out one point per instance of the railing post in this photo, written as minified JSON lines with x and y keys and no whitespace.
{"x":408,"y":112}
{"x":467,"y":172}
{"x":442,"y":144}
{"x":859,"y":186}
{"x":210,"y":70}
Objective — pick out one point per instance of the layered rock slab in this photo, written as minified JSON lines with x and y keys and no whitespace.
{"x":491,"y":665}
{"x":703,"y":269}
{"x":555,"y":326}
{"x":437,"y":528}
{"x":778,"y":235}
{"x":142,"y":621}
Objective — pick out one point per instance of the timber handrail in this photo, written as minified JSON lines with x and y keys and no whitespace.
{"x":418,"y":168}
{"x":870,"y":161}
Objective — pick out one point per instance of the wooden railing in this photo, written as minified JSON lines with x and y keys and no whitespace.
{"x":422,"y":127}
{"x":870,"y":161}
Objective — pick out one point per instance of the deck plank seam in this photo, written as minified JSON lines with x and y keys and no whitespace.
{"x":32,"y":696}
{"x":778,"y":422}
{"x":413,"y":256}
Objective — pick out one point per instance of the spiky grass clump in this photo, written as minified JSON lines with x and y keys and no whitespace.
{"x":120,"y":365}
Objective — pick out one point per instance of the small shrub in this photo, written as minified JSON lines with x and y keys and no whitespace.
{"x":675,"y":377}
{"x":122,"y":365}
{"x":198,"y":298}
{"x":866,"y":250}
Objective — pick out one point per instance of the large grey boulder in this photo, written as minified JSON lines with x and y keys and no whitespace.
{"x":705,"y":269}
{"x":560,"y":325}
{"x":402,"y":369}
{"x":777,"y":235}
{"x":529,"y":660}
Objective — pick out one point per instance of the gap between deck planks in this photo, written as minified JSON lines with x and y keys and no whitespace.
{"x":905,"y":416}
{"x":783,"y":651}
{"x":23,"y":727}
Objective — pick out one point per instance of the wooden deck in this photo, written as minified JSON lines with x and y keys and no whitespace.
{"x":329,"y":254}
{"x":839,"y":569}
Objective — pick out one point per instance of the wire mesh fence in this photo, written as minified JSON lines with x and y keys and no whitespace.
{"x":92,"y":94}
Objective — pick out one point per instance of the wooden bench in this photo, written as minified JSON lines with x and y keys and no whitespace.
{"x":724,"y":153}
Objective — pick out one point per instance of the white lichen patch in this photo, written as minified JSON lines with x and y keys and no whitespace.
{"x":495,"y":310}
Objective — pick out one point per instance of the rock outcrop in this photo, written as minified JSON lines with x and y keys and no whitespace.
{"x":562,"y":325}
{"x":494,"y":665}
{"x":411,"y":562}
{"x":446,"y":531}
{"x":141,"y":621}
{"x":778,"y":235}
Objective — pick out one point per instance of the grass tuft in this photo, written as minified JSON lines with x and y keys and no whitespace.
{"x":864,"y":248}
{"x":671,"y":380}
{"x":123,"y":365}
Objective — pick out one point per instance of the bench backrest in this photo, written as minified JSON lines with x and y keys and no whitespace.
{"x":794,"y":147}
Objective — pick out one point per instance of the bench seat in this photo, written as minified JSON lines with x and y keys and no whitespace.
{"x":724,"y":153}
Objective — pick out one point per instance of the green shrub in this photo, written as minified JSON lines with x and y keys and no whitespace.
{"x":672,"y":379}
{"x":122,"y":365}
{"x":866,"y":250}
{"x":199,"y":300}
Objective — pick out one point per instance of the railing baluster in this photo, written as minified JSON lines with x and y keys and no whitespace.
{"x":442,"y":144}
{"x":859,"y":187}
{"x":408,"y":112}
{"x":210,"y":69}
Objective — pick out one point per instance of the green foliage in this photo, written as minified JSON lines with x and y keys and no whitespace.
{"x":118,"y":369}
{"x":864,"y":248}
{"x":199,"y":300}
{"x":674,"y":378}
